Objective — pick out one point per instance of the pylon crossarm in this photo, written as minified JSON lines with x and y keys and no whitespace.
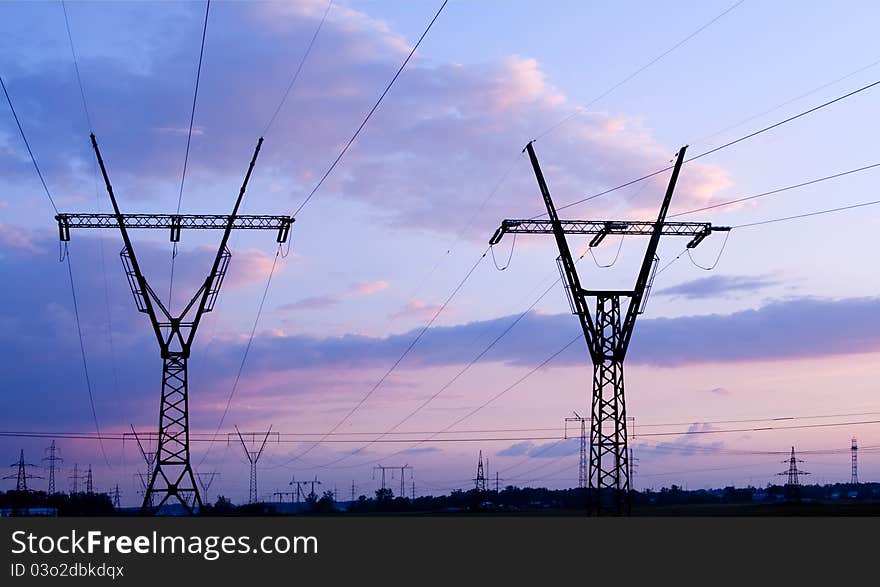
{"x":602,"y":228}
{"x":175,"y":223}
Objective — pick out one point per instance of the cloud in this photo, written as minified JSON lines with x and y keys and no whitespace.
{"x":368,"y":287}
{"x":546,"y":450}
{"x":310,"y":303}
{"x":17,"y":238}
{"x":328,"y":301}
{"x":439,"y":116}
{"x":417,"y":309}
{"x":685,"y":444}
{"x":717,"y":286}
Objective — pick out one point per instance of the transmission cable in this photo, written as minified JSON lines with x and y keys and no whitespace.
{"x":370,"y":113}
{"x":299,"y":67}
{"x":192,"y":117}
{"x":716,"y":149}
{"x":82,"y":94}
{"x":581,"y":109}
{"x":28,"y":145}
{"x":776,"y":191}
{"x":394,"y":366}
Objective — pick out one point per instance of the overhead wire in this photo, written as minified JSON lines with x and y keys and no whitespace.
{"x":28,"y":145}
{"x":720,"y":147}
{"x":641,"y":69}
{"x":299,"y":68}
{"x":370,"y":113}
{"x":399,"y":360}
{"x":192,"y":117}
{"x":112,"y":346}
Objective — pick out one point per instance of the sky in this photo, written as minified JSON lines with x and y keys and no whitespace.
{"x":784,"y":325}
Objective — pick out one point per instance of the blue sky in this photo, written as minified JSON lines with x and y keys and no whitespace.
{"x":782,"y":327}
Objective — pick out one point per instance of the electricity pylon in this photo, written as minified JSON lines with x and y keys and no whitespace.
{"x":75,"y":479}
{"x":205,"y":481}
{"x":149,"y":459}
{"x":607,"y":329}
{"x":173,"y":475}
{"x":792,"y":486}
{"x":52,"y":458}
{"x":854,"y":449}
{"x":21,"y":476}
{"x":480,"y":479}
{"x":582,"y":440}
{"x":253,"y":457}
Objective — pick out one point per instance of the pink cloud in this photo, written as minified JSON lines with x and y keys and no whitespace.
{"x":368,"y":287}
{"x":416,"y":309}
{"x":17,"y":238}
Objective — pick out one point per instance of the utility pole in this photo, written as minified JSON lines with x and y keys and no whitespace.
{"x":52,"y":458}
{"x":608,"y":328}
{"x":172,"y":477}
{"x":75,"y":478}
{"x":480,"y":479}
{"x":253,"y":457}
{"x":854,"y":449}
{"x":497,"y":482}
{"x":90,"y":487}
{"x":21,"y":476}
{"x":205,"y":480}
{"x":792,"y":486}
{"x":582,"y":462}
{"x":353,"y":490}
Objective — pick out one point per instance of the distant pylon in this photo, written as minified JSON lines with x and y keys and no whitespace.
{"x":855,"y":462}
{"x":74,"y":479}
{"x":253,"y":457}
{"x":52,"y":458}
{"x":633,"y":465}
{"x":583,"y":477}
{"x":116,"y":497}
{"x":205,"y":480}
{"x":792,"y":487}
{"x":90,"y":487}
{"x":480,"y":480}
{"x":21,"y":475}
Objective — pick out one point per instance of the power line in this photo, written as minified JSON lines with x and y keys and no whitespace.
{"x":370,"y":113}
{"x":76,"y":66}
{"x":449,"y":383}
{"x":88,"y":117}
{"x":247,"y":349}
{"x":808,"y":214}
{"x":27,"y":144}
{"x":299,"y":67}
{"x":789,"y":101}
{"x":581,"y":109}
{"x":397,"y":362}
{"x":777,"y":190}
{"x":82,"y":349}
{"x":724,"y":146}
{"x":192,"y":117}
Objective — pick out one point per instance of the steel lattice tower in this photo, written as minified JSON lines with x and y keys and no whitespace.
{"x":854,"y":449}
{"x":480,"y":479}
{"x":21,"y":476}
{"x":792,"y":485}
{"x":52,"y":458}
{"x":90,"y":486}
{"x":608,"y":327}
{"x":582,"y":446}
{"x":173,"y":477}
{"x":253,"y":457}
